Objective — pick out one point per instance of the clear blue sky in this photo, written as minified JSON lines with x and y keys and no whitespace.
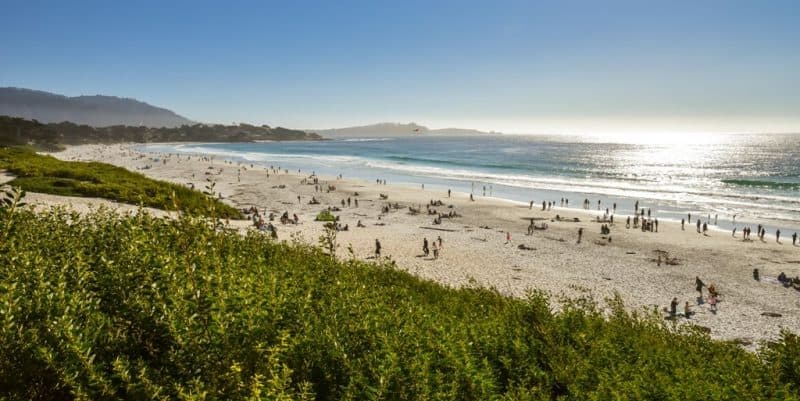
{"x":519,"y":66}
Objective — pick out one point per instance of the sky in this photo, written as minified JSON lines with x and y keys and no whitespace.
{"x":650,"y":67}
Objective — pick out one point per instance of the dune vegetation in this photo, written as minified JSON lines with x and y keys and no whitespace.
{"x":113,"y":307}
{"x":40,"y":173}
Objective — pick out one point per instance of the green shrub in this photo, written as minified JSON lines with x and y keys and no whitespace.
{"x":108,"y":307}
{"x":46,"y":174}
{"x":325,"y":215}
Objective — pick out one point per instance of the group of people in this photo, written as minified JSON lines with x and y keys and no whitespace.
{"x":436,"y":247}
{"x":713,"y":299}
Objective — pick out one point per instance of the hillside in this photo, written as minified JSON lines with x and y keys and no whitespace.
{"x":18,"y":131}
{"x":97,"y":110}
{"x":102,"y":307}
{"x":396,"y":130}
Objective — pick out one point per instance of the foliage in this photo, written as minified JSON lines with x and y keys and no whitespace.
{"x":109,"y":307}
{"x":325,"y":215}
{"x":18,"y":131}
{"x":46,"y":174}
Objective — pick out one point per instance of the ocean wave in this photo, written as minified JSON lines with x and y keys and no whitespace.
{"x":763,"y":184}
{"x":364,"y":140}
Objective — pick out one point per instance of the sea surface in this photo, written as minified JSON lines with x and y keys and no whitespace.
{"x":753,"y":177}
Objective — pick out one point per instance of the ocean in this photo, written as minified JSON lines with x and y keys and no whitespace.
{"x":755,"y":178}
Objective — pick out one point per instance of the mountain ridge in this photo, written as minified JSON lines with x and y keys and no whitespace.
{"x":389,"y":129}
{"x":92,"y":110}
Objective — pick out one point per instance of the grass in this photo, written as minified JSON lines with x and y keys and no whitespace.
{"x":134,"y":308}
{"x":46,"y":174}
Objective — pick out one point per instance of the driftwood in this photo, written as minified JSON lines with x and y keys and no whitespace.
{"x":438,"y":229}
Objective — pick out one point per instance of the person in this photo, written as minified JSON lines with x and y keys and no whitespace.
{"x":425,"y":249}
{"x":705,"y":227}
{"x":377,"y":249}
{"x":359,"y":224}
{"x":690,"y":218}
{"x":531,"y":205}
{"x":734,"y":232}
{"x":435,"y":251}
{"x":673,"y":307}
{"x":471,"y":198}
{"x":628,"y":222}
{"x":508,"y":237}
{"x":441,"y":242}
{"x":698,"y":226}
{"x":580,"y":234}
{"x":794,"y":239}
{"x":712,"y":302}
{"x":778,"y":236}
{"x":448,"y":193}
{"x":698,"y":286}
{"x":683,"y":223}
{"x":687,"y":310}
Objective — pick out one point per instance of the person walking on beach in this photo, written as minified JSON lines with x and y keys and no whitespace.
{"x":687,"y":310}
{"x":508,"y":237}
{"x":377,"y":249}
{"x":712,"y":302}
{"x":425,"y":249}
{"x":734,"y":232}
{"x":580,"y":234}
{"x":778,"y":236}
{"x":435,"y":251}
{"x":441,"y":242}
{"x":683,"y":223}
{"x":698,"y":286}
{"x":698,"y":226}
{"x":448,"y":193}
{"x":690,"y":218}
{"x":794,"y":239}
{"x":673,"y":307}
{"x":531,"y":206}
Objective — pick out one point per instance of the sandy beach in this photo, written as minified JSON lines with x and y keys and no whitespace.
{"x":475,"y":248}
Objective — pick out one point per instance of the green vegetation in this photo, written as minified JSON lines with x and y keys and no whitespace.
{"x":139,"y":308}
{"x":325,"y":215}
{"x":46,"y":174}
{"x":17,"y":131}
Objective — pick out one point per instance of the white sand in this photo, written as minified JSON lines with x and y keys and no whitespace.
{"x":557,"y":265}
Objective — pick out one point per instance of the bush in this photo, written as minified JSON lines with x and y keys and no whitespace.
{"x":109,"y":307}
{"x":325,"y":216}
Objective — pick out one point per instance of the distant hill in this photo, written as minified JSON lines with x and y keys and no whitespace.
{"x":18,"y":131}
{"x":395,"y":130}
{"x":96,"y":111}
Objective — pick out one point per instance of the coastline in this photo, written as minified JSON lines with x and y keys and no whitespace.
{"x":473,"y":255}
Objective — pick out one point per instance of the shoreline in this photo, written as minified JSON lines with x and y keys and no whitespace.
{"x":552,"y":261}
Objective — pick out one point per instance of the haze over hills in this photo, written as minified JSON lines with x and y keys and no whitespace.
{"x":395,"y":130}
{"x":96,"y":111}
